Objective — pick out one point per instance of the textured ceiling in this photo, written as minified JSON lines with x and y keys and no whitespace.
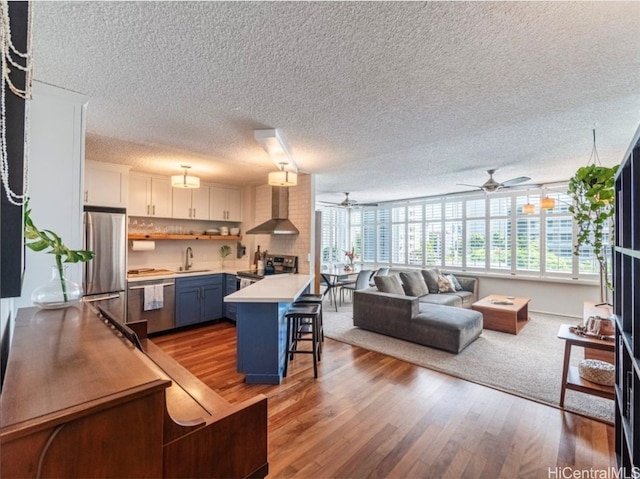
{"x":386,"y":100}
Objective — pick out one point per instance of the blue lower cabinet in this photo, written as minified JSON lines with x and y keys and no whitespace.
{"x":198,"y":299}
{"x":231,"y":286}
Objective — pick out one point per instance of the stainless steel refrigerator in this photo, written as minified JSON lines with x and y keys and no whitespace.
{"x":105,"y":276}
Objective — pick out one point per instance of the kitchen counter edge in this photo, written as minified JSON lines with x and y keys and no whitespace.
{"x":279,"y":288}
{"x":136,"y":278}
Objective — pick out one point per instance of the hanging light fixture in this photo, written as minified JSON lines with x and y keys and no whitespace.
{"x":283,"y":177}
{"x":528,"y":209}
{"x":272,"y":142}
{"x":184,"y":180}
{"x":547,"y":203}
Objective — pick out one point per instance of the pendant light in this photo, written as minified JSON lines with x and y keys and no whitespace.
{"x":547,"y":203}
{"x":528,"y":209}
{"x":283,"y":177}
{"x":184,"y":180}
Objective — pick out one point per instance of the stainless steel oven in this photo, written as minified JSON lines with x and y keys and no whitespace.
{"x":159,"y":319}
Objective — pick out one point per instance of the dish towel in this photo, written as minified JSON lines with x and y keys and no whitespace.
{"x":153,"y":297}
{"x":245,"y":282}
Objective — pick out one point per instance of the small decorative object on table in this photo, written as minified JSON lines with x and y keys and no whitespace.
{"x":59,"y":292}
{"x":351,"y":255}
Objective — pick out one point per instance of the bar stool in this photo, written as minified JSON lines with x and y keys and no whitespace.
{"x":310,"y":298}
{"x":303,"y":319}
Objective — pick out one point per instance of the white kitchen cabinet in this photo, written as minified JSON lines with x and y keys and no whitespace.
{"x":149,"y":196}
{"x":191,"y":204}
{"x":225,"y":204}
{"x":106,"y":184}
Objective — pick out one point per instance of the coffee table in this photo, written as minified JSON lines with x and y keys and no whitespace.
{"x":508,"y":318}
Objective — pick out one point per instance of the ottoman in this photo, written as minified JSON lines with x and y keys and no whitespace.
{"x":444,"y":327}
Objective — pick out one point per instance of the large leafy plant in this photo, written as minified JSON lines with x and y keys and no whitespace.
{"x":40,"y":240}
{"x":593,"y":194}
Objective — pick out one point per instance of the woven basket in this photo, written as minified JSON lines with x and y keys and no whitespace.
{"x":598,"y":372}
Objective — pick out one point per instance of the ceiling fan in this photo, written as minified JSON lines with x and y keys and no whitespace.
{"x":492,"y":185}
{"x":349,"y":203}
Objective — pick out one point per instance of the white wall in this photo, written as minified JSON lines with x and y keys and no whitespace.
{"x":561,"y":298}
{"x":56,"y":156}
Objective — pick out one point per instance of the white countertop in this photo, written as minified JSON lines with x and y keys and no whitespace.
{"x":278,"y":288}
{"x":133,"y":278}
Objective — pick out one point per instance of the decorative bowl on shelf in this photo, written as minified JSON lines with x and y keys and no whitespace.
{"x":234,"y":231}
{"x":212,"y":232}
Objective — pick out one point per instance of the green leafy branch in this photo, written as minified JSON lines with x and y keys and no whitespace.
{"x":225,"y":250}
{"x":43,"y":239}
{"x":593,"y":193}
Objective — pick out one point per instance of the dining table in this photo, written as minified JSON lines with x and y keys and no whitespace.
{"x":337,"y":276}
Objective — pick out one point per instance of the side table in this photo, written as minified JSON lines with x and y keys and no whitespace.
{"x":570,"y":377}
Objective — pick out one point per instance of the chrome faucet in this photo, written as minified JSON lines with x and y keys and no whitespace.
{"x":187,"y":262}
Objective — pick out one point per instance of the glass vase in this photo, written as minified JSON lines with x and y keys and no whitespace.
{"x":58,"y":292}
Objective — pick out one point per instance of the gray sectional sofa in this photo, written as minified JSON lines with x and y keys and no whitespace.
{"x":439,"y":320}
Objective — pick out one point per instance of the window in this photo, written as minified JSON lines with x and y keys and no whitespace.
{"x":471,"y":231}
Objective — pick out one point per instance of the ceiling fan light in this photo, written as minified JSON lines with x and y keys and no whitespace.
{"x":547,"y":203}
{"x":528,"y":209}
{"x":184,"y":180}
{"x":283,"y":178}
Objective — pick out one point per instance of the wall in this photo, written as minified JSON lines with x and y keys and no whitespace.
{"x":562,"y":298}
{"x":301,"y":214}
{"x":55,"y":178}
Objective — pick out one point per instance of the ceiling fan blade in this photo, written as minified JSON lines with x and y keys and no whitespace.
{"x":524,"y":187}
{"x":466,"y":184}
{"x":515,"y":181}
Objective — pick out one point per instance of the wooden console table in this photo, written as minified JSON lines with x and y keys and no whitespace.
{"x":604,"y":311}
{"x":570,"y":377}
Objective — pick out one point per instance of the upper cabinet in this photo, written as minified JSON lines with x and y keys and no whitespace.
{"x":191,"y":204}
{"x":106,"y":184}
{"x":225,"y":204}
{"x":149,"y":196}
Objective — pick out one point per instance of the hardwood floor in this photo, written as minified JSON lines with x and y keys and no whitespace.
{"x":369,"y":415}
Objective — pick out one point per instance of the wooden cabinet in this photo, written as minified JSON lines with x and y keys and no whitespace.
{"x":231,"y":286}
{"x":626,"y":308}
{"x":199,"y":299}
{"x":225,"y":204}
{"x":90,"y":404}
{"x":106,"y":184}
{"x":149,"y":196}
{"x":191,"y":203}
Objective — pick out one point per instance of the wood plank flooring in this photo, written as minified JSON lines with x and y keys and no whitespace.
{"x":370,"y":416}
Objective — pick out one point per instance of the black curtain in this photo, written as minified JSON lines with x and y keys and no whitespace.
{"x":11,"y":243}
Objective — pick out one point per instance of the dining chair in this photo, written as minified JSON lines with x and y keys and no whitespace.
{"x":378,"y":272}
{"x":361,"y":282}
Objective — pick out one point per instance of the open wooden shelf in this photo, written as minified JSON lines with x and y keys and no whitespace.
{"x":163,"y":236}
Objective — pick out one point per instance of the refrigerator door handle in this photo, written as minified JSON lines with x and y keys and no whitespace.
{"x":88,"y":266}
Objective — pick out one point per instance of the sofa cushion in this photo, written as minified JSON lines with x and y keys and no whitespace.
{"x":449,"y":299}
{"x":455,"y":282}
{"x":431,"y":279}
{"x":389,"y":284}
{"x":445,"y":285}
{"x":413,"y":283}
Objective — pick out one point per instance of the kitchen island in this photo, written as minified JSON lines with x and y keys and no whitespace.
{"x":261,"y":327}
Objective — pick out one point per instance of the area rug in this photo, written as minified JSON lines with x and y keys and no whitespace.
{"x":528,"y":364}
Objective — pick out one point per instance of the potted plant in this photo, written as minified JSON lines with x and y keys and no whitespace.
{"x":592,"y":191}
{"x":59,"y":292}
{"x":225,"y":250}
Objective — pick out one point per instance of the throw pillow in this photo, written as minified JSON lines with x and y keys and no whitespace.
{"x":445,"y":285}
{"x":431,"y":279}
{"x":455,"y":282}
{"x":414,"y":284}
{"x":389,"y":284}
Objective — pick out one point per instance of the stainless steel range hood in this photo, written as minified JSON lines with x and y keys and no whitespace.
{"x":279,"y":223}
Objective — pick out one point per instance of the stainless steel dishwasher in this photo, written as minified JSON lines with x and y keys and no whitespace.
{"x":161,"y":319}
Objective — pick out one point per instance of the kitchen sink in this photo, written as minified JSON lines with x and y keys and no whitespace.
{"x":193,"y":271}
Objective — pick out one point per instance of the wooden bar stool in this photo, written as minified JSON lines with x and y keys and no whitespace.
{"x":303,"y":319}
